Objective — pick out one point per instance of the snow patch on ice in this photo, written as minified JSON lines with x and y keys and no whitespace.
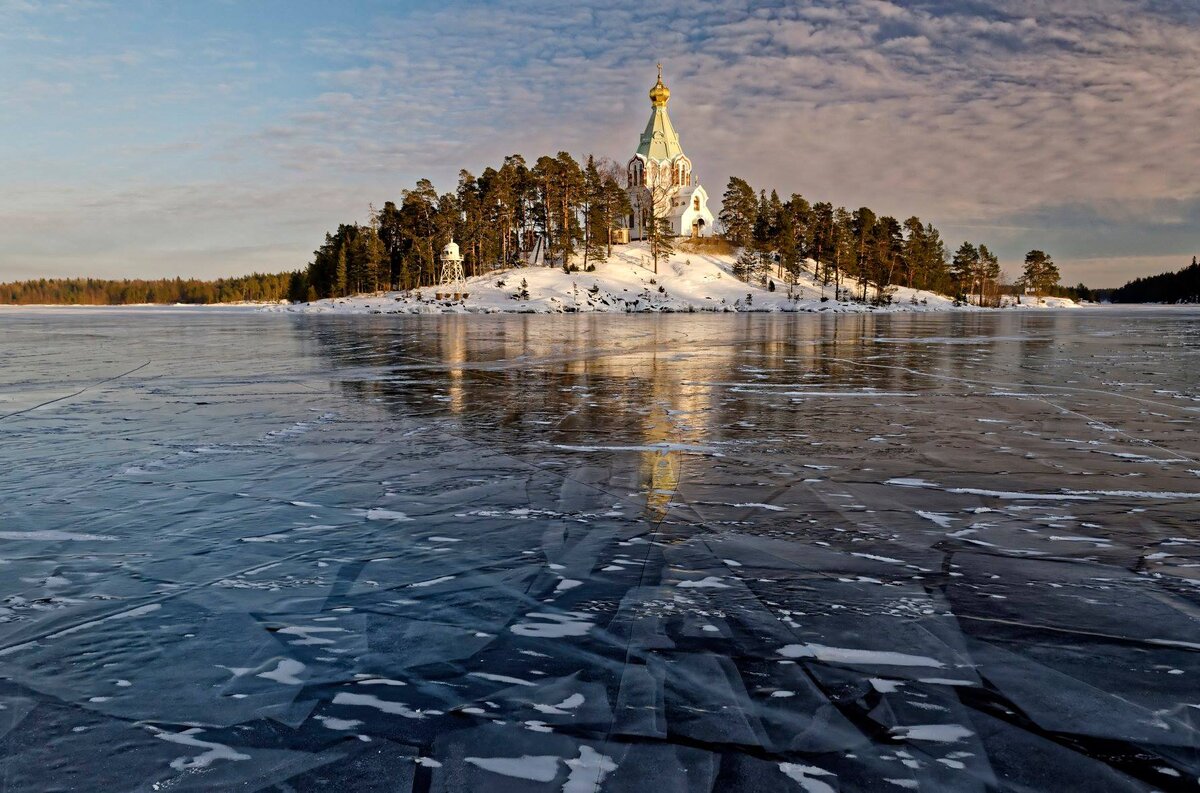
{"x":562,"y":708}
{"x":536,"y":768}
{"x":554,"y":626}
{"x":935,"y":733}
{"x":515,"y":681}
{"x":708,"y":582}
{"x":285,"y":672}
{"x":942,"y":520}
{"x":384,"y":514}
{"x":588,"y":771}
{"x":214,"y":751}
{"x":371,"y":701}
{"x":852,"y":656}
{"x":803,"y":774}
{"x":54,"y":535}
{"x":338,"y":724}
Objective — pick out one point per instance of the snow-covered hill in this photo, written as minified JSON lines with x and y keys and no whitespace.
{"x":627,"y":282}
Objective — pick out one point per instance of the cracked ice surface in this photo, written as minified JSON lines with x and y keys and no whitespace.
{"x":681,"y":553}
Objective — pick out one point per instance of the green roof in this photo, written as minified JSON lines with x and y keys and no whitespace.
{"x":660,"y":141}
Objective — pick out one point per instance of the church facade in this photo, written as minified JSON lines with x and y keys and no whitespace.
{"x":660,"y":180}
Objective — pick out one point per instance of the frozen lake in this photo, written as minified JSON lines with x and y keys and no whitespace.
{"x":620,"y":553}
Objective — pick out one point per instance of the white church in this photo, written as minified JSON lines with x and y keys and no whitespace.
{"x":660,"y":182}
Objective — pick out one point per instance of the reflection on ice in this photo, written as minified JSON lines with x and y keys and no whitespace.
{"x":594,"y":553}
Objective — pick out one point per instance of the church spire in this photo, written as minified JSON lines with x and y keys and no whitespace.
{"x":660,"y":141}
{"x":659,"y":94}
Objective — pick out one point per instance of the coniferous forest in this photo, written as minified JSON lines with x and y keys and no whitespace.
{"x":555,"y":213}
{"x":561,"y":213}
{"x":100,"y":292}
{"x":1182,"y":286}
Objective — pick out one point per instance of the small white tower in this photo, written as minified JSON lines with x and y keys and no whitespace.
{"x":452,"y":279}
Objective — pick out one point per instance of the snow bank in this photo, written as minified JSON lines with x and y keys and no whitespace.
{"x":627,"y":282}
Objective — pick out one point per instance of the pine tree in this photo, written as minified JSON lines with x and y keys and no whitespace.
{"x":963,"y":268}
{"x":739,"y":210}
{"x":339,"y":278}
{"x":616,"y":208}
{"x":595,"y":218}
{"x":746,"y":264}
{"x":989,"y":272}
{"x":863,"y":229}
{"x":1040,"y":274}
{"x":375,"y":264}
{"x":662,"y":241}
{"x":820,"y":238}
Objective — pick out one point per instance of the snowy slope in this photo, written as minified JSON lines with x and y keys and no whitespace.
{"x":627,"y":282}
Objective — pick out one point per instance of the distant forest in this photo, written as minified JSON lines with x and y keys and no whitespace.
{"x":1182,"y":286}
{"x":100,"y":292}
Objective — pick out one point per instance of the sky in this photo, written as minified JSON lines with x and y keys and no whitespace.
{"x":141,"y":138}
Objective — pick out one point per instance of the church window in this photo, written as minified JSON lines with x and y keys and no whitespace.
{"x":696,"y":203}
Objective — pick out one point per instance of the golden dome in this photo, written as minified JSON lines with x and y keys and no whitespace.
{"x":659,"y":94}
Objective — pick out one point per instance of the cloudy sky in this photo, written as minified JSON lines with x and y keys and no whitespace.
{"x":142,"y":138}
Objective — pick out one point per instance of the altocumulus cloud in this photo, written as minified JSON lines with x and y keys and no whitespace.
{"x":1064,"y":124}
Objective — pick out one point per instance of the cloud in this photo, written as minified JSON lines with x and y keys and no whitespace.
{"x":1006,"y":120}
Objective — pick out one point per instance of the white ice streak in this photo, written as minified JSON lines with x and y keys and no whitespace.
{"x":383,"y":514}
{"x":708,"y":582}
{"x":942,"y":520}
{"x":1004,"y":494}
{"x":339,"y":724}
{"x":1167,"y":495}
{"x":875,"y":558}
{"x":853,"y":656}
{"x":54,"y":535}
{"x":434,"y":581}
{"x":654,"y":447}
{"x":305,"y":634}
{"x":846,"y":393}
{"x":515,"y":681}
{"x":138,"y":611}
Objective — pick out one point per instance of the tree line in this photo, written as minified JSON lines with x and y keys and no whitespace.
{"x":1182,"y":286}
{"x":778,"y":237}
{"x":554,"y":212}
{"x":561,"y":213}
{"x":102,"y":292}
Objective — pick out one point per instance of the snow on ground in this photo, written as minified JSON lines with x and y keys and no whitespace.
{"x":627,"y":282}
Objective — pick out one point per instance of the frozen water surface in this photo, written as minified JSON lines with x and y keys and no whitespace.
{"x":679,"y":553}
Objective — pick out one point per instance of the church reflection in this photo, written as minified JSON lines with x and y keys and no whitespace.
{"x":535,"y":387}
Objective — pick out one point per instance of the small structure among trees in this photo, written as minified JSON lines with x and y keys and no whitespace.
{"x":452,"y":281}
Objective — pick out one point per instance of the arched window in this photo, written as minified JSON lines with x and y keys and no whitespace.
{"x":696,"y":203}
